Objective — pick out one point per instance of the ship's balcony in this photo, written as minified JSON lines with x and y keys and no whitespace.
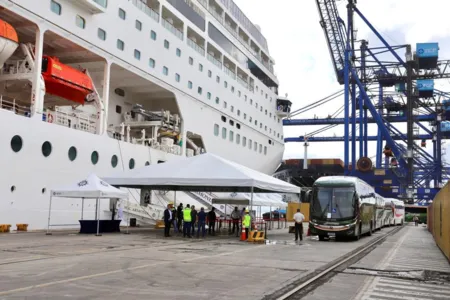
{"x":172,"y":23}
{"x":214,"y":56}
{"x":216,"y":11}
{"x":242,"y":78}
{"x":150,"y":8}
{"x":231,"y":26}
{"x":229,"y":67}
{"x":283,"y":107}
{"x":203,"y":3}
{"x":195,"y":41}
{"x":93,"y":6}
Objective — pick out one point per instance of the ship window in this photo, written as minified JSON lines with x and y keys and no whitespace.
{"x":151,"y":63}
{"x":245,"y":97}
{"x":232,"y":89}
{"x":266,"y":96}
{"x":260,"y":148}
{"x":251,"y":101}
{"x":166,"y":44}
{"x":270,"y":115}
{"x":260,"y":125}
{"x":72,"y":153}
{"x":114,"y":161}
{"x":200,"y":67}
{"x":199,"y":90}
{"x":16,"y":143}
{"x":224,"y":119}
{"x":238,"y":138}
{"x":209,"y":73}
{"x":190,"y":85}
{"x":122,"y":14}
{"x":232,"y":108}
{"x":131,"y":163}
{"x":250,"y":119}
{"x":43,"y":190}
{"x":238,"y":126}
{"x":265,"y":128}
{"x":224,"y":104}
{"x":266,"y":112}
{"x":218,"y":79}
{"x":178,"y":52}
{"x":216,"y":129}
{"x":120,"y":45}
{"x":265,"y":150}
{"x":231,"y":122}
{"x":231,"y":135}
{"x":137,"y":54}
{"x":177,"y":77}
{"x":118,"y":109}
{"x":191,"y":61}
{"x":94,"y":157}
{"x":101,"y":34}
{"x":119,"y":92}
{"x":255,"y":146}
{"x":208,"y":95}
{"x":224,"y":133}
{"x":103,"y":3}
{"x":80,"y":21}
{"x":270,"y":142}
{"x":238,"y":112}
{"x":147,"y":163}
{"x":46,"y":148}
{"x":13,"y":188}
{"x":256,"y":122}
{"x":217,"y":100}
{"x":270,"y":99}
{"x":138,"y":25}
{"x":153,"y":35}
{"x":260,"y":108}
{"x":239,"y":93}
{"x":165,"y":71}
{"x":55,"y":7}
{"x":245,"y":116}
{"x":225,"y":84}
{"x":244,"y":141}
{"x":250,"y":144}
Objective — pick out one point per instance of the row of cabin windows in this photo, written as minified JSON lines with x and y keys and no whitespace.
{"x":232,"y":138}
{"x":81,"y":22}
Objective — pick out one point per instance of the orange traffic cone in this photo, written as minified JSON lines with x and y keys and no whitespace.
{"x":243,"y":238}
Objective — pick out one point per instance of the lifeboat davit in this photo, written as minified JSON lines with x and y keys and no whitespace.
{"x":8,"y":41}
{"x":64,"y":81}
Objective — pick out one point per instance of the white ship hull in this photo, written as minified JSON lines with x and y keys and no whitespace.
{"x":28,"y":176}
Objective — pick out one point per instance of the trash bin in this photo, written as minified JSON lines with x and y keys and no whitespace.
{"x":132,"y":222}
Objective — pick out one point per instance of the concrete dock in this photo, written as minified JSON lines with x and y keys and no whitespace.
{"x":144,"y":265}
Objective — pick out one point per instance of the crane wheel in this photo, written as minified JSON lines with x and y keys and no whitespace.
{"x":364,"y":164}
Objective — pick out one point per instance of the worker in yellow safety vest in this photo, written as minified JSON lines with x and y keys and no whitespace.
{"x":187,"y":219}
{"x":246,"y":221}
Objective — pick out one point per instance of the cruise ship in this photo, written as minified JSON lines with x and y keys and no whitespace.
{"x":99,"y":86}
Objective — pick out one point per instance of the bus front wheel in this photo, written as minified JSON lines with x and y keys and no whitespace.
{"x":370,"y":230}
{"x":321,"y":238}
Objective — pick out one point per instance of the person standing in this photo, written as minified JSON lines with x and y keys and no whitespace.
{"x":187,"y":221}
{"x":201,"y":220}
{"x":212,"y":221}
{"x":179,"y":216}
{"x":246,"y":221}
{"x":235,"y":217}
{"x":299,"y":218}
{"x":193,"y":218}
{"x":167,"y":220}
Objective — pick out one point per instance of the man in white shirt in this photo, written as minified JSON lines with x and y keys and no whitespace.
{"x":299,"y":218}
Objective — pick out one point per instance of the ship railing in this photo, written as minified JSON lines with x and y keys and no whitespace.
{"x":214,"y":61}
{"x":10,"y":104}
{"x":231,"y":30}
{"x":15,"y":67}
{"x":195,"y":8}
{"x":229,"y":72}
{"x":216,"y":15}
{"x":196,"y":47}
{"x":146,"y":9}
{"x":242,"y":82}
{"x":75,"y":120}
{"x":251,"y":88}
{"x":172,"y":29}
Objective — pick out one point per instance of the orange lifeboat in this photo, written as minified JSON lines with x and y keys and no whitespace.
{"x":64,"y":81}
{"x":8,"y":41}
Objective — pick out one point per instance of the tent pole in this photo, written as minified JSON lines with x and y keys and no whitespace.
{"x":82,"y":208}
{"x":49,"y":214}
{"x":270,"y":218}
{"x":175,"y":198}
{"x":128,"y":215}
{"x":251,"y":201}
{"x":98,"y":218}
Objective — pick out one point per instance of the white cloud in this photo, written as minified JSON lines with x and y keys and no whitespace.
{"x":303,"y":64}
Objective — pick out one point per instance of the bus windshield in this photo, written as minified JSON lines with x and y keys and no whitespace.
{"x":333,"y":203}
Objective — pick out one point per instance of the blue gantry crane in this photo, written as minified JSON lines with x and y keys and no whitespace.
{"x":393,"y":90}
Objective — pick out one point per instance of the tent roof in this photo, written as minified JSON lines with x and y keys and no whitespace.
{"x":92,"y":187}
{"x":205,"y":172}
{"x":244,"y":199}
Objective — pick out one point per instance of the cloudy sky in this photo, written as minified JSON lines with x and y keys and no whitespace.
{"x":303,"y":65}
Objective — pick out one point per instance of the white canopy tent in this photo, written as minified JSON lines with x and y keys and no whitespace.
{"x":245,"y":198}
{"x":90,"y":188}
{"x":206,"y":172}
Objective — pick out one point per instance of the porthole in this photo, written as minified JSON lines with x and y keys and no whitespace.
{"x":147,"y":163}
{"x":114,"y":161}
{"x":16,"y":143}
{"x":46,"y":148}
{"x":94,"y":157}
{"x":72,"y":153}
{"x":13,"y":188}
{"x":131,"y":163}
{"x":43,"y":190}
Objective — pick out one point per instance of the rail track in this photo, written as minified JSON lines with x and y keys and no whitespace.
{"x":310,"y":282}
